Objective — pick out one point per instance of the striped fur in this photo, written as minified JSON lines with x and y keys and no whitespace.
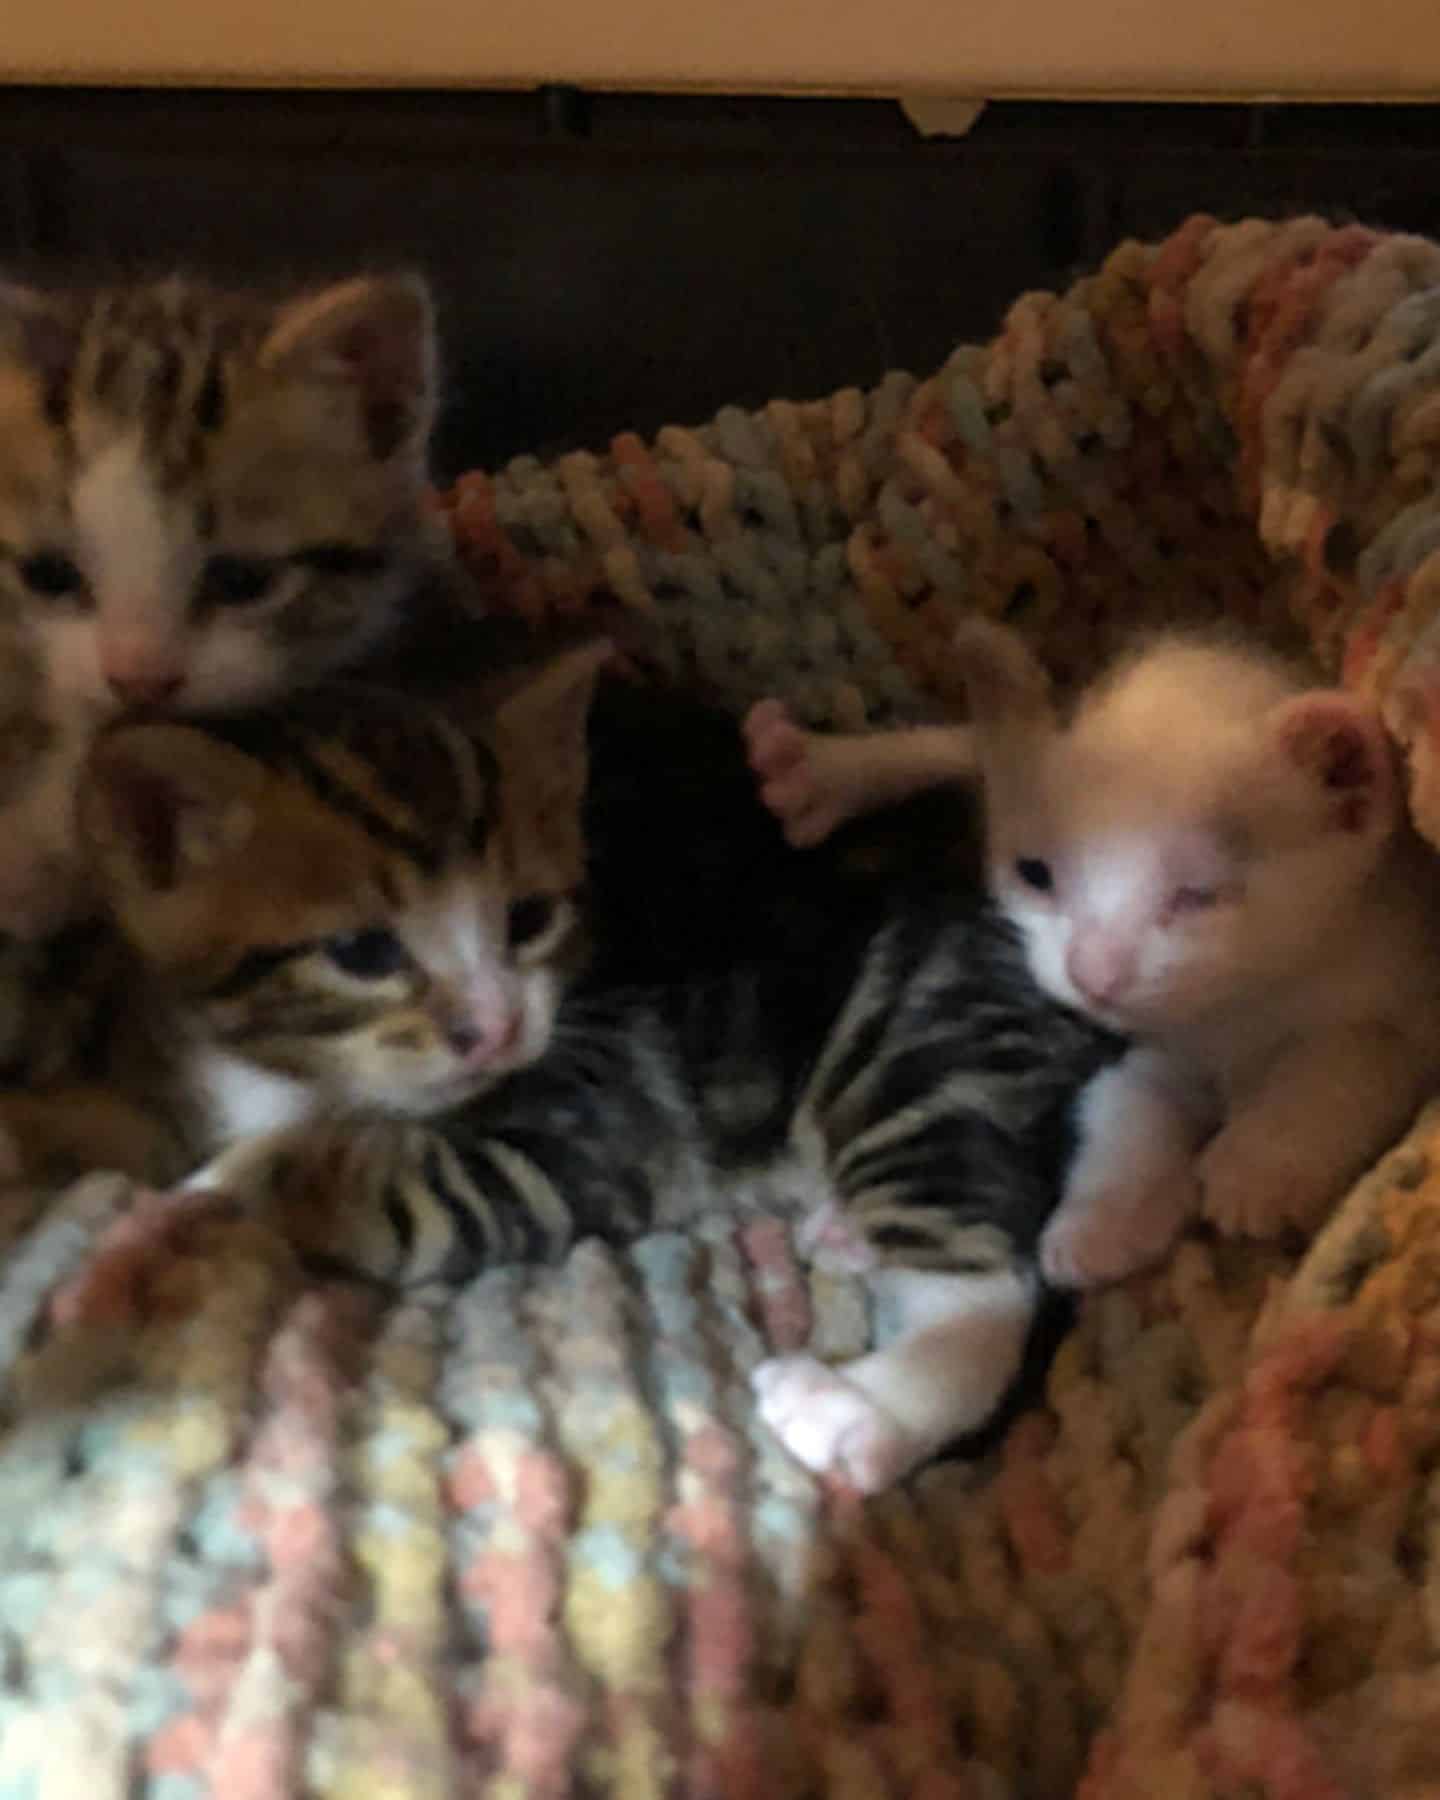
{"x":207,"y":499}
{"x":934,"y":1104}
{"x":746,"y":1010}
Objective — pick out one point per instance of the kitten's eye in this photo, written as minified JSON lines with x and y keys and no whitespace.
{"x":1035,"y":874}
{"x":239,"y":580}
{"x":530,"y":918}
{"x":1194,"y":899}
{"x":50,"y":574}
{"x":371,"y":955}
{"x":341,"y":559}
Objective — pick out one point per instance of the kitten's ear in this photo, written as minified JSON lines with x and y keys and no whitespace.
{"x":377,"y":332}
{"x":1008,"y":693}
{"x":159,"y":803}
{"x":540,"y":733}
{"x":40,"y":328}
{"x":540,"y":738}
{"x":1004,"y":684}
{"x":1339,"y":747}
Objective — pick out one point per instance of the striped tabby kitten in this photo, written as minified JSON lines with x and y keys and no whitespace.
{"x":206,"y":500}
{"x":365,"y":931}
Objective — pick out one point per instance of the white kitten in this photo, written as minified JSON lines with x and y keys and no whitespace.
{"x":1214,"y":859}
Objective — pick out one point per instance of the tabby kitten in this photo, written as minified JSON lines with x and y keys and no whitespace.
{"x":206,"y":499}
{"x":364,"y":931}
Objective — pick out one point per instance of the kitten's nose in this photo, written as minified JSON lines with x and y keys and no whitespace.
{"x":1098,"y":970}
{"x":481,"y":1044}
{"x":143,"y":667}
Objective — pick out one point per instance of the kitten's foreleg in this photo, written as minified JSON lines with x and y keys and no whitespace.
{"x":873,"y":1420}
{"x":361,"y":1196}
{"x":1132,"y":1184}
{"x":406,"y":1203}
{"x":1316,"y":1121}
{"x":815,"y":781}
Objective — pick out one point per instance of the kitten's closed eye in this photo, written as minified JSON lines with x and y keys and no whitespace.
{"x":1194,"y":899}
{"x":1035,"y":874}
{"x":369,"y":955}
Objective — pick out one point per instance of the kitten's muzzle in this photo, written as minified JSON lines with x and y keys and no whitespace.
{"x":144,"y":689}
{"x":1101,"y":970}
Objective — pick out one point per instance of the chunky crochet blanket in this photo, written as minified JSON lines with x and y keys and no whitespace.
{"x":262,"y":1535}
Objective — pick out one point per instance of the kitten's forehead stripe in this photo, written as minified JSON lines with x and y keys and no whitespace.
{"x":390,"y":769}
{"x":253,"y":966}
{"x":210,"y":397}
{"x":155,"y":359}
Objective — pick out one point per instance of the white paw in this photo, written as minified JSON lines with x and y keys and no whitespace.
{"x":827,"y":1237}
{"x":830,"y":1425}
{"x":1105,"y":1236}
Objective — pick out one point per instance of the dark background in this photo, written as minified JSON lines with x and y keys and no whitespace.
{"x":606,"y":261}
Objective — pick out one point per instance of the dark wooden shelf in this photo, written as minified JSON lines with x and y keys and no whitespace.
{"x":605,"y":261}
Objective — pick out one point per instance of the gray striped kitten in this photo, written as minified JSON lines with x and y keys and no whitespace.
{"x":207,"y":499}
{"x":436,"y":999}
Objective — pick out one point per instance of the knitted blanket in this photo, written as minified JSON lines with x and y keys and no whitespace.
{"x":264,"y":1535}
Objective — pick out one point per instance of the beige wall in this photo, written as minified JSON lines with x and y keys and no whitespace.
{"x":1198,"y":48}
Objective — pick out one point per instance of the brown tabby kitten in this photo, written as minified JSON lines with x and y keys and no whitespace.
{"x":340,"y":908}
{"x":207,"y":499}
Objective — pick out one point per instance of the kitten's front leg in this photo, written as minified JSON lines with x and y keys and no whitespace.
{"x":815,"y":781}
{"x":1315,"y":1122}
{"x":360,"y":1197}
{"x":1132,"y":1184}
{"x":873,"y":1420}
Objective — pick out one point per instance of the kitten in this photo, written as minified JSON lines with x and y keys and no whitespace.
{"x":1214,"y":858}
{"x":363,"y":931}
{"x":206,"y":499}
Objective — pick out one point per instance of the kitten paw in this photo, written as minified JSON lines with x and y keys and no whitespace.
{"x":1102,"y":1237}
{"x":804,"y":776}
{"x":830,"y":1425}
{"x":828,"y":1238}
{"x":1263,"y":1189}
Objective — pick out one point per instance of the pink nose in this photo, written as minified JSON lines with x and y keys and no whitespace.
{"x":481,"y":1044}
{"x":1098,"y":969}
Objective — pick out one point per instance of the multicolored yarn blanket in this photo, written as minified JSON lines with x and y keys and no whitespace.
{"x":263,"y":1535}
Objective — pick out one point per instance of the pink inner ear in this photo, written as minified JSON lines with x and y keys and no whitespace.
{"x":50,"y":339}
{"x":383,"y":357}
{"x":1331,"y":739}
{"x":1346,"y":760}
{"x":146,"y":808}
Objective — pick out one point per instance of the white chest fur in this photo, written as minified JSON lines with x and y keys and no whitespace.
{"x":242,"y":1101}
